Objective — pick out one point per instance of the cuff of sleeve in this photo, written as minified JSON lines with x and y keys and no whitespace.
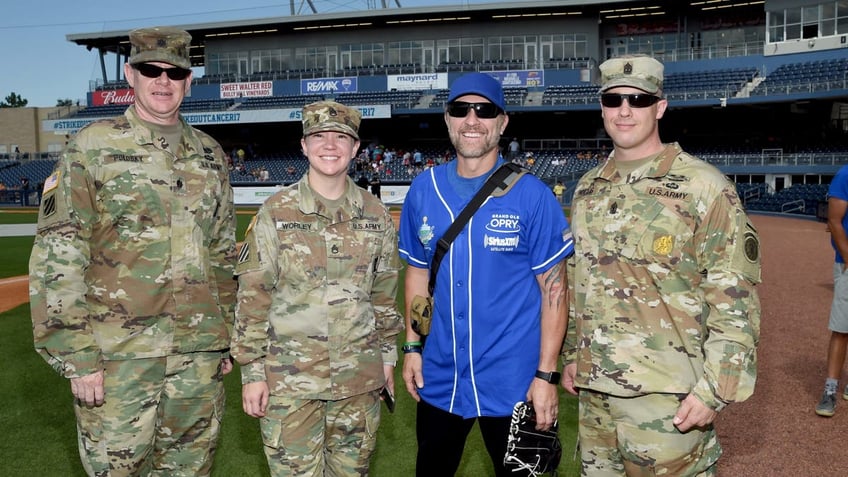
{"x":77,"y":365}
{"x":705,"y":394}
{"x":253,"y":372}
{"x":569,"y":353}
{"x":390,"y":354}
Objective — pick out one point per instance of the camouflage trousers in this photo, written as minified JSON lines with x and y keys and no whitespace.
{"x":635,"y":437}
{"x":161,"y":417}
{"x":305,"y":437}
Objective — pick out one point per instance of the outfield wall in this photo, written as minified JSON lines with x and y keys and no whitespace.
{"x":391,"y":194}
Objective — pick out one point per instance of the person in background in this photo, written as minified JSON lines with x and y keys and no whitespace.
{"x":837,"y":222}
{"x":666,"y":317}
{"x":131,"y":275}
{"x":499,"y":308}
{"x":559,"y":189}
{"x":514,"y":149}
{"x":375,"y":184}
{"x":316,"y":322}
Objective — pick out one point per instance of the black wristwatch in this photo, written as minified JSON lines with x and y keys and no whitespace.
{"x":551,"y":377}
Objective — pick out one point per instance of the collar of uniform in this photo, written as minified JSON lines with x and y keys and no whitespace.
{"x":142,"y":133}
{"x":659,"y":167}
{"x":309,"y":205}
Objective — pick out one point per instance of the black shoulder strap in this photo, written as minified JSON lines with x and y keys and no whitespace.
{"x":501,"y":179}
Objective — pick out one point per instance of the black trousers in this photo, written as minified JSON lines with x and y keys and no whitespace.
{"x":441,"y":440}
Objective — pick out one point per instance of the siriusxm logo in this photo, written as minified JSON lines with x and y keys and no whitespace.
{"x":500,"y":242}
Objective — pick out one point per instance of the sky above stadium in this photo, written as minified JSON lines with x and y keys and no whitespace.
{"x":42,"y":66}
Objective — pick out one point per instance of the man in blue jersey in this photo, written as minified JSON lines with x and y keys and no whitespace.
{"x":499,"y":312}
{"x":837,"y":221}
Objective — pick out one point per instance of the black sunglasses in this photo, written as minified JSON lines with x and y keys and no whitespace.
{"x":153,"y":71}
{"x":611,"y":100}
{"x":459,"y":109}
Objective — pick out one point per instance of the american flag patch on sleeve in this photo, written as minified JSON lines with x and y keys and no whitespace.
{"x":51,"y":182}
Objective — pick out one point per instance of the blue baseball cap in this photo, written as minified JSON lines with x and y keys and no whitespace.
{"x":480,"y":84}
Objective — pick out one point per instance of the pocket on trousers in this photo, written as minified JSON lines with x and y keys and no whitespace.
{"x":272,"y":432}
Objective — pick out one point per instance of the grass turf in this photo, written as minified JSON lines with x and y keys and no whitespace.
{"x":37,"y":416}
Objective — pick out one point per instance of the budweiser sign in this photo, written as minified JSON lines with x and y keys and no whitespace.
{"x":114,"y":96}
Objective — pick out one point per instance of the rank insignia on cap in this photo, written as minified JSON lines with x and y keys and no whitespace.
{"x":628,"y":68}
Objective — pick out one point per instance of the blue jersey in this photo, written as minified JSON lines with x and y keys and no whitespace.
{"x":483,"y":348}
{"x":839,"y":189}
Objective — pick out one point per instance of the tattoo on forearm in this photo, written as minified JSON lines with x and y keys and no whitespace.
{"x":554,"y":285}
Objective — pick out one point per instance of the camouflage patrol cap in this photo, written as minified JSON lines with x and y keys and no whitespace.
{"x":165,"y":44}
{"x":637,"y":71}
{"x":330,"y":116}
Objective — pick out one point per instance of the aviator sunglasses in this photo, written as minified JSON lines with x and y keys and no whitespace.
{"x":153,"y":71}
{"x":612,"y":100}
{"x":459,"y":109}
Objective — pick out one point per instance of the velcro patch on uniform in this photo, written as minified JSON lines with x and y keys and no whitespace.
{"x":668,"y":193}
{"x":663,"y":245}
{"x":366,"y":225}
{"x":48,"y":205}
{"x":51,"y":182}
{"x":751,"y":246}
{"x":244,"y":253}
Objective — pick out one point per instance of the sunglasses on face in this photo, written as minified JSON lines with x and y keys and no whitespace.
{"x":153,"y":71}
{"x":459,"y":109}
{"x":611,"y":100}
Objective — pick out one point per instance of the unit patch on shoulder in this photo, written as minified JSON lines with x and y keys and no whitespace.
{"x":244,"y":253}
{"x":48,"y":205}
{"x":751,"y":246}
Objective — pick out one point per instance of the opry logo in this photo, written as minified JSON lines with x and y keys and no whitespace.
{"x":116,"y":96}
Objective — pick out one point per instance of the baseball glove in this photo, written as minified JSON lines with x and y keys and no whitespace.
{"x":528,"y":450}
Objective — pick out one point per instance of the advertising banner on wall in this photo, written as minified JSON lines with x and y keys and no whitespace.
{"x":417,"y":82}
{"x":112,"y":96}
{"x":249,"y":195}
{"x":71,"y":126}
{"x":329,"y":85}
{"x":248,"y":89}
{"x":520,"y":78}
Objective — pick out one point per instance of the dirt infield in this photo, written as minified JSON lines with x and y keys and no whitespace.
{"x":776,"y":432}
{"x":13,"y":292}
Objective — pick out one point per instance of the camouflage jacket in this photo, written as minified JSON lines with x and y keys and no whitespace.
{"x":135,"y":249}
{"x":316,"y":316}
{"x":662,"y":282}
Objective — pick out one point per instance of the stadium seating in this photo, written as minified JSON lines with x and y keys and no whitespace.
{"x":712,"y":84}
{"x":804,"y":77}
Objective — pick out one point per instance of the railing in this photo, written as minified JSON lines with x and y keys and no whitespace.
{"x":709,"y":52}
{"x":794,"y":206}
{"x":809,"y":86}
{"x":762,"y":159}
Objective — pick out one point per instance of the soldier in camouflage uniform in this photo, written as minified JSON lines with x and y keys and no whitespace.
{"x":131,"y":275}
{"x":316,"y":320}
{"x":665,"y":314}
